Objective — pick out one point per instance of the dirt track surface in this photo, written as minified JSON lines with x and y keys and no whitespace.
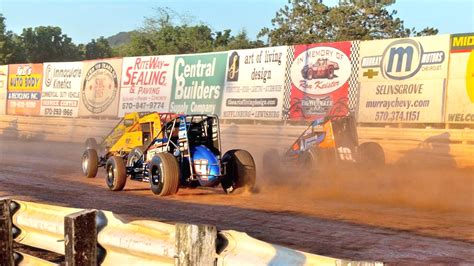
{"x":395,"y":215}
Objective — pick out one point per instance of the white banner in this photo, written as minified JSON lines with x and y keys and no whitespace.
{"x":403,"y":80}
{"x":100,"y":85}
{"x":146,"y":84}
{"x":61,"y":89}
{"x":3,"y":88}
{"x":255,"y":84}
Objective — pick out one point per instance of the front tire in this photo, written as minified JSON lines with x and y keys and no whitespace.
{"x":240,"y":171}
{"x":90,"y":163}
{"x":164,"y":174}
{"x":116,"y":173}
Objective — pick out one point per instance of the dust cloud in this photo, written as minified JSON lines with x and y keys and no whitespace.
{"x":424,"y":184}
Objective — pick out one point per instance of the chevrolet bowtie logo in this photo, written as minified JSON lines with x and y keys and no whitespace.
{"x":370,"y":73}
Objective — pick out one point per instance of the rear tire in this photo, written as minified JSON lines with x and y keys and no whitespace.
{"x":240,"y":171}
{"x":371,"y":154}
{"x":116,"y":173}
{"x":90,"y":163}
{"x":164,"y":174}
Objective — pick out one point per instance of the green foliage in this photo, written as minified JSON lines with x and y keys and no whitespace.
{"x":311,"y":21}
{"x":10,"y":45}
{"x":99,"y":48}
{"x":162,"y":34}
{"x":48,"y":44}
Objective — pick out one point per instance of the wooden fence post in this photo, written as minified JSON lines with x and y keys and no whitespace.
{"x":195,"y":245}
{"x":6,"y":235}
{"x":80,"y":238}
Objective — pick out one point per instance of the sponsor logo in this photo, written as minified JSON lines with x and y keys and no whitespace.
{"x":48,"y":75}
{"x":100,"y":87}
{"x":402,"y":59}
{"x":462,"y":42}
{"x":24,"y":70}
{"x":316,"y":106}
{"x":320,"y":70}
{"x":233,"y":67}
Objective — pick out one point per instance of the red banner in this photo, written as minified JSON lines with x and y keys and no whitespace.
{"x":319,"y":79}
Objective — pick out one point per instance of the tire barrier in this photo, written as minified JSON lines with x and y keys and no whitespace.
{"x":141,"y":242}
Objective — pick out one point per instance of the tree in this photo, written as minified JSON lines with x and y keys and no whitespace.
{"x":171,"y":33}
{"x":241,"y":41}
{"x":48,"y":44}
{"x":311,"y":21}
{"x":99,"y":48}
{"x":10,"y":45}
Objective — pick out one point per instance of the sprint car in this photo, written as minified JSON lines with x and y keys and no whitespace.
{"x":185,"y":153}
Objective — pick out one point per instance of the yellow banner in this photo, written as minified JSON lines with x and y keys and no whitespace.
{"x":460,"y":95}
{"x":25,"y":83}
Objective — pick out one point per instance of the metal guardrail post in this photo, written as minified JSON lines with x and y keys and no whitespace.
{"x":80,"y":238}
{"x":195,"y":245}
{"x":6,"y":235}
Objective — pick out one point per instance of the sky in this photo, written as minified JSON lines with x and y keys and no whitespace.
{"x":83,"y":20}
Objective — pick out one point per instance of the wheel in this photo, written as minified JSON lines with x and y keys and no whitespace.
{"x":90,"y":163}
{"x":91,"y":143}
{"x":371,"y":154}
{"x":164,"y":174}
{"x":116,"y":173}
{"x":240,"y":171}
{"x":271,"y":162}
{"x":135,"y":155}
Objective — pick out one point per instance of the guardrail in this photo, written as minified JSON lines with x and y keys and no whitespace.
{"x":94,"y":237}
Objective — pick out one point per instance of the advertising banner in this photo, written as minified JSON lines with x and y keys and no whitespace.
{"x":460,"y":95}
{"x":61,"y":89}
{"x":100,"y":85}
{"x":24,"y":89}
{"x":403,"y":80}
{"x":146,"y":84}
{"x":198,"y":83}
{"x":255,"y":84}
{"x":320,"y":78}
{"x":3,"y":88}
